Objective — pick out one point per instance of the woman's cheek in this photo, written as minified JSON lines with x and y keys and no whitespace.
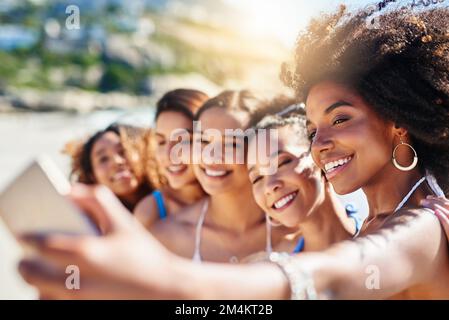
{"x":158,"y":154}
{"x":259,"y":196}
{"x":243,"y":174}
{"x":101,"y":178}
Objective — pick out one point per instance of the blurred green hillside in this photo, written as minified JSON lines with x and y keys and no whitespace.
{"x":115,"y":51}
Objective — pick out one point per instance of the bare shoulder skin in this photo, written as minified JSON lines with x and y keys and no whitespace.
{"x":146,"y":211}
{"x":177,"y":232}
{"x":408,"y":252}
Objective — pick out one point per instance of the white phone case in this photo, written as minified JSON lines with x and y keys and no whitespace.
{"x":35,"y":202}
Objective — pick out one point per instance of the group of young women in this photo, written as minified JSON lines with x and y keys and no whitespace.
{"x":376,"y":117}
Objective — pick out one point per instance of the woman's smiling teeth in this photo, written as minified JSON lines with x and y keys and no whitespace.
{"x":125,"y":174}
{"x":215,"y":173}
{"x":176,"y":169}
{"x":284,"y":201}
{"x":331,"y":166}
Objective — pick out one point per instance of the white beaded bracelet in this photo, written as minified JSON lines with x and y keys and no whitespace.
{"x":301,"y":283}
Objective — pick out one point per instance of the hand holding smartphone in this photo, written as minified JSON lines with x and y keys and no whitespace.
{"x":36,"y":202}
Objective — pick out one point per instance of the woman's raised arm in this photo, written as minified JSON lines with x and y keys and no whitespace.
{"x":128,"y":263}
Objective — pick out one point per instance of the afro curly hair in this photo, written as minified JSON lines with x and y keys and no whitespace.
{"x":401,"y":68}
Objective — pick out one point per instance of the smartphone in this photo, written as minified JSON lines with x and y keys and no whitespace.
{"x":35,"y":202}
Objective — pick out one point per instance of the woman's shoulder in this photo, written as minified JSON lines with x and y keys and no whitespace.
{"x":146,"y":210}
{"x":418,"y":220}
{"x":177,"y":236}
{"x":189,"y":214}
{"x":412,"y":212}
{"x":411,"y":218}
{"x":185,"y":219}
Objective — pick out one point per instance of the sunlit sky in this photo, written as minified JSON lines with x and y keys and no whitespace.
{"x":284,"y":18}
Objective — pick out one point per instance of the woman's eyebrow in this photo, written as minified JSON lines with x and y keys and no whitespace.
{"x":331,"y":108}
{"x":99,"y":152}
{"x":276,"y":153}
{"x":182,"y":130}
{"x":336,"y":105}
{"x":273,"y":155}
{"x":234,"y":136}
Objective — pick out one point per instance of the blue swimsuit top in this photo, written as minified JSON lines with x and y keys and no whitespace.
{"x":160,"y":204}
{"x":351,"y":211}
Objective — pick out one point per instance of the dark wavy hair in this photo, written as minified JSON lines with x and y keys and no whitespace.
{"x":280,"y":112}
{"x":400,"y":68}
{"x":241,"y":101}
{"x":185,"y":101}
{"x":82,"y":169}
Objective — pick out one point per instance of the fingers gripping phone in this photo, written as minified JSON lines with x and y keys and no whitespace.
{"x":36,"y":202}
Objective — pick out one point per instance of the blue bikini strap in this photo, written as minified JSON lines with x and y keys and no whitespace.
{"x":160,"y":204}
{"x":299,"y":246}
{"x":352,"y":212}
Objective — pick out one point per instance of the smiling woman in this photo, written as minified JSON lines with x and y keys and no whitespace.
{"x":112,"y":157}
{"x":386,"y":77}
{"x":228,"y":225}
{"x":361,"y":128}
{"x":296,"y":194}
{"x":378,"y":119}
{"x":174,"y":178}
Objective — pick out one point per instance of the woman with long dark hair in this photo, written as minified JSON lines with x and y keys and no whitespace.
{"x":175,"y":183}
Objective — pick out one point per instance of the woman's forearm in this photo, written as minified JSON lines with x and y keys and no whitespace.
{"x":406,"y":251}
{"x":225,"y":281}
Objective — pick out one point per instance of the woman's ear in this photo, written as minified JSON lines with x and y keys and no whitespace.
{"x":399,"y":131}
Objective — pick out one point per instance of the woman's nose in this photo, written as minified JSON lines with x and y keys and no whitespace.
{"x":321,"y":142}
{"x":163,"y":153}
{"x":167,"y":151}
{"x":213,"y":154}
{"x":273,"y":184}
{"x":119,"y":159}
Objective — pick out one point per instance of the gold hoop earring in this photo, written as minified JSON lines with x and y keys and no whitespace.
{"x":415,"y":158}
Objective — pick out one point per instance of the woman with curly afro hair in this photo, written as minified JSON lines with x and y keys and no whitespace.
{"x":377,"y":103}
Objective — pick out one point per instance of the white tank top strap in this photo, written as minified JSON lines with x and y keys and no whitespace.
{"x":433,"y":184}
{"x":409,"y":194}
{"x":197,"y":251}
{"x":268,"y":245}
